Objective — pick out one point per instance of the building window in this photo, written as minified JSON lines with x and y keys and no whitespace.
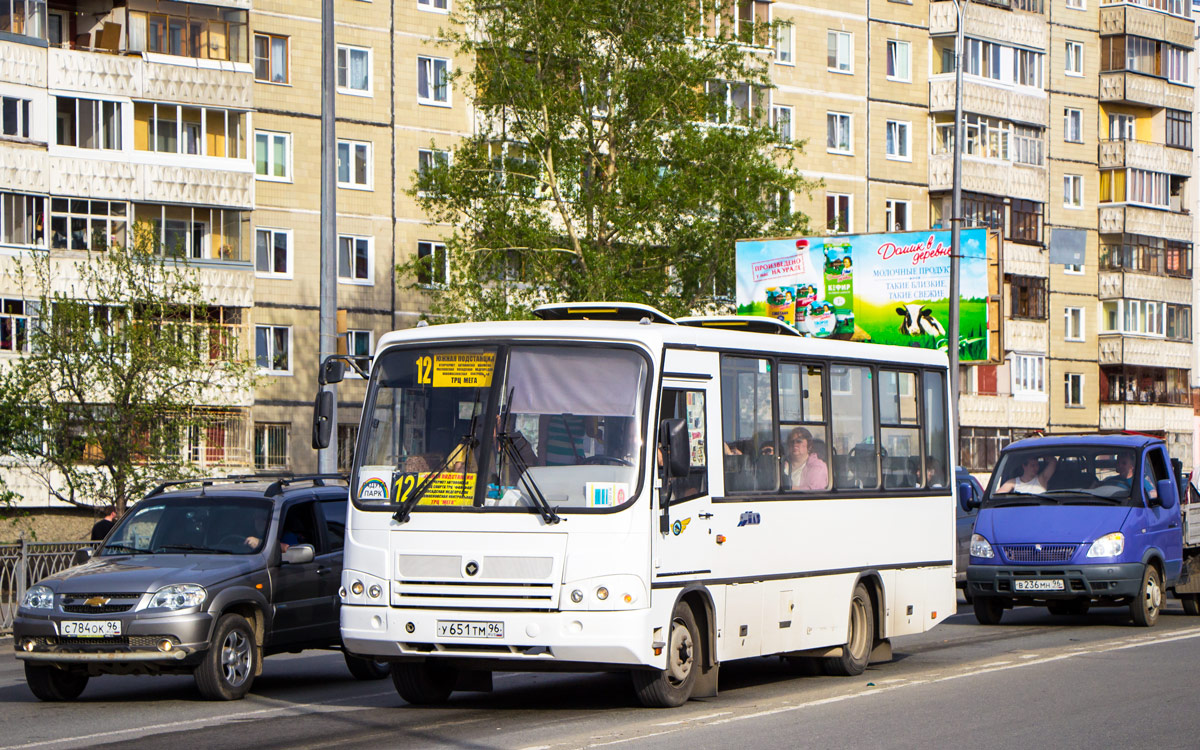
{"x":899,"y":60}
{"x":897,"y":140}
{"x":837,"y":139}
{"x":440,"y":6}
{"x":782,"y":121}
{"x":1178,"y":63}
{"x":1073,"y":319}
{"x":354,"y":259}
{"x":273,"y":252}
{"x":434,"y":265}
{"x":177,"y":129}
{"x":87,"y":123}
{"x":1073,"y":191}
{"x":1028,"y":297}
{"x":77,"y":224}
{"x":1072,"y":125}
{"x":840,"y":51}
{"x":1145,"y":385}
{"x":1027,"y":68}
{"x":353,"y":70}
{"x":270,"y":446}
{"x":22,"y":219}
{"x":1135,"y":186}
{"x":1075,"y":269}
{"x":837,"y":213}
{"x":14,"y":116}
{"x":14,"y":326}
{"x":1074,"y":66}
{"x":1179,"y":322}
{"x":1028,"y":374}
{"x":272,"y":155}
{"x":347,"y":438}
{"x":1179,"y":128}
{"x":1025,"y":221}
{"x":1122,"y":127}
{"x":896,"y":216}
{"x":272,"y":349}
{"x":271,"y":58}
{"x":785,"y":45}
{"x":219,"y":36}
{"x":1027,"y":145}
{"x":428,"y":158}
{"x":433,"y":83}
{"x":1077,"y":4}
{"x":358,"y":344}
{"x":1074,"y":390}
{"x":354,"y":164}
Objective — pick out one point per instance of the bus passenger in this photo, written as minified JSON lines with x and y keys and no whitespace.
{"x":803,"y":466}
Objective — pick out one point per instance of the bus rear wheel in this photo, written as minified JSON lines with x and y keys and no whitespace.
{"x":671,"y":687}
{"x":860,"y":638}
{"x":424,"y":683}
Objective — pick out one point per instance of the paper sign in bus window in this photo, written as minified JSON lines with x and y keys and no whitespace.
{"x":606,"y":494}
{"x":463,"y":369}
{"x":373,"y":484}
{"x":449,"y":488}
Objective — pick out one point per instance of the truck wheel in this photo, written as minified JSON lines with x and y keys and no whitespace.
{"x":424,"y":683}
{"x":1191,"y":604}
{"x":366,"y":668}
{"x":860,"y":638}
{"x":53,"y":684}
{"x":988,"y":610}
{"x":227,"y":669}
{"x":671,"y":687}
{"x":1146,"y":604}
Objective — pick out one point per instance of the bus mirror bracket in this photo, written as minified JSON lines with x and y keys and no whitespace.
{"x":322,"y":421}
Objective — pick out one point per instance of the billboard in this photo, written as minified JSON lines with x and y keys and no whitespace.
{"x":879,"y":288}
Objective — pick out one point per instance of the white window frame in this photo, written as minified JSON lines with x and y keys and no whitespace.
{"x":776,"y":110}
{"x":351,"y":334}
{"x":271,"y":329}
{"x":1073,"y":191}
{"x":355,"y":239}
{"x":434,"y":283}
{"x":785,"y":45}
{"x":287,"y":151}
{"x":1072,"y":119}
{"x":1068,"y":401}
{"x":430,"y":64}
{"x":1028,"y":375}
{"x":902,"y":147}
{"x":1077,"y":4}
{"x":907,"y":75}
{"x":842,"y":67}
{"x":1075,"y":269}
{"x":287,"y":233}
{"x":352,"y":154}
{"x":889,"y":215}
{"x":1074,"y":324}
{"x":22,"y":319}
{"x":287,"y":445}
{"x":849,"y":212}
{"x":1074,"y":52}
{"x":24,"y":118}
{"x":287,"y":63}
{"x":431,"y":6}
{"x":840,"y":117}
{"x":347,"y":89}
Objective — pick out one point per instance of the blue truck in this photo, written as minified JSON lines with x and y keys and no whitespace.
{"x":1075,"y":522}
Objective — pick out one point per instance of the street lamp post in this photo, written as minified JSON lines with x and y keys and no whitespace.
{"x":327,"y":339}
{"x":956,"y":219}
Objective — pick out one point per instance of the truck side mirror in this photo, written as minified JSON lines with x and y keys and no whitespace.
{"x":322,"y":421}
{"x":673,"y":438}
{"x":1167,"y":496}
{"x":966,"y":497}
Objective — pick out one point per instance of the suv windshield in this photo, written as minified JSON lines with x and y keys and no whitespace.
{"x":1064,"y":475}
{"x":494,"y":427}
{"x":201,"y":525}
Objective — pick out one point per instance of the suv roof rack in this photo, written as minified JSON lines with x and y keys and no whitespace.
{"x":627,"y":311}
{"x":747,"y":323}
{"x":282,"y":479}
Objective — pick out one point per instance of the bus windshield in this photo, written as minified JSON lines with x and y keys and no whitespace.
{"x":494,"y":427}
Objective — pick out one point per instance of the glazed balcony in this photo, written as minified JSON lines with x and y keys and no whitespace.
{"x":1144,"y":91}
{"x":1144,"y":351}
{"x":1124,"y":219}
{"x":997,"y":24}
{"x":1146,"y":23}
{"x":152,"y":76}
{"x":1152,"y":157}
{"x":1019,"y":104}
{"x":990,"y":176}
{"x":1121,"y":284}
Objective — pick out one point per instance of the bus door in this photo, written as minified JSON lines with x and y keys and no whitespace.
{"x":685,"y":545}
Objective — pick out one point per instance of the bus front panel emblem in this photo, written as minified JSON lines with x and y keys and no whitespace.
{"x":472,"y":568}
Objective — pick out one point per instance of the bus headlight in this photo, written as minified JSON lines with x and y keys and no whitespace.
{"x":602,"y":593}
{"x":1109,"y":545}
{"x":375,"y":591}
{"x":980,"y":547}
{"x":362,"y":589}
{"x":611,"y":592}
{"x":356,"y":588}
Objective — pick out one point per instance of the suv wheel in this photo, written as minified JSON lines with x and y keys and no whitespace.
{"x":227,"y":670}
{"x":366,"y":668}
{"x":54,"y":684}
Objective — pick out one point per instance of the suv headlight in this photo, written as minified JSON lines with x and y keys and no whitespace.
{"x":179,"y":596}
{"x":38,"y":597}
{"x":1109,"y":545}
{"x":980,"y":547}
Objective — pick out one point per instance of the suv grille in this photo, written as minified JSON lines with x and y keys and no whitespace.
{"x":1039,"y":552}
{"x":85,"y":609}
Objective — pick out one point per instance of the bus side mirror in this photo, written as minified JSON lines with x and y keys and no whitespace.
{"x":332,"y":371}
{"x":673,"y":437}
{"x":1167,"y":497}
{"x":966,"y":497}
{"x":322,"y":421}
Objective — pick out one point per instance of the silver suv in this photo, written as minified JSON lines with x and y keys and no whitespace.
{"x":206,"y":579}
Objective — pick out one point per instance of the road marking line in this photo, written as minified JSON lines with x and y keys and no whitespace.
{"x":694,"y":718}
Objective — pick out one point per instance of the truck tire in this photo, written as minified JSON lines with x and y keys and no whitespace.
{"x":425,"y":683}
{"x":227,"y":669}
{"x":860,"y":638}
{"x":988,"y":610}
{"x":1191,"y":604}
{"x":671,"y":687}
{"x":1147,"y":602}
{"x":53,"y":684}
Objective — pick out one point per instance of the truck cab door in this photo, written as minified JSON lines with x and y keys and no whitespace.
{"x":1164,"y":525}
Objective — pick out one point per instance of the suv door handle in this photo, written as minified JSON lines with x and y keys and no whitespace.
{"x":324,"y":570}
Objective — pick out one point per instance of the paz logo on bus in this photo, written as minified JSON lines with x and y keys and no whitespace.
{"x":749,"y":518}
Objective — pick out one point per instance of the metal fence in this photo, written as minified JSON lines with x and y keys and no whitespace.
{"x":24,"y":564}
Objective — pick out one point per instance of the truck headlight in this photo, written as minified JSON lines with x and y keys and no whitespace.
{"x":38,"y":597}
{"x":179,"y":596}
{"x":1109,"y":545}
{"x":980,"y":547}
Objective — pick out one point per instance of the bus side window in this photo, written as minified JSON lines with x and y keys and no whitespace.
{"x":747,"y":426}
{"x":900,"y":432}
{"x":856,"y":457}
{"x":689,"y":406}
{"x":803,"y":433}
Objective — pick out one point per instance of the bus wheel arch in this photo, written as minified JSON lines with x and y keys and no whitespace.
{"x":700,"y":600}
{"x":874,"y":583}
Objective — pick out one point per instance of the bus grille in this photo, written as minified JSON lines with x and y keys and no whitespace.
{"x":473,"y":595}
{"x":1023,"y":553}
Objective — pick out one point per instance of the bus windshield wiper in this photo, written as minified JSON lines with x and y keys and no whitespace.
{"x":509,"y":449}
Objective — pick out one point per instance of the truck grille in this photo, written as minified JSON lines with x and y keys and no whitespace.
{"x":1027,"y":553}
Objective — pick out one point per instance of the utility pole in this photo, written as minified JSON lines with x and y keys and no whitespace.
{"x":956,"y":218}
{"x":327,"y":340}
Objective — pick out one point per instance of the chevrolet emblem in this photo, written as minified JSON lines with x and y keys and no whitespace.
{"x":96,"y":601}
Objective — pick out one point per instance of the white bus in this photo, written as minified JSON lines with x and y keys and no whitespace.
{"x":609,"y":489}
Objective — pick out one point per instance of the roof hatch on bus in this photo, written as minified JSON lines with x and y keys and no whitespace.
{"x":629,"y":311}
{"x":746,"y":323}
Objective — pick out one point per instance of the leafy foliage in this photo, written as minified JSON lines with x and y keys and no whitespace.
{"x":620,"y":149}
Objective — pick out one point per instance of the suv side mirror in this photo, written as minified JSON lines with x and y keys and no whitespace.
{"x":966,"y":497}
{"x":1167,"y":496}
{"x":673,"y":438}
{"x":82,"y":555}
{"x":298,"y":554}
{"x":322,"y":421}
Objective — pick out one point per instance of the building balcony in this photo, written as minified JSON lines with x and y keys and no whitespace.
{"x":1146,"y":23}
{"x":152,"y":76}
{"x":1028,"y":336}
{"x":1145,"y":351}
{"x":1022,"y":259}
{"x":1125,"y":219}
{"x":991,"y":23}
{"x":1019,"y":104}
{"x":1121,"y":284}
{"x":1153,"y":157}
{"x":228,"y":285}
{"x":1002,"y":410}
{"x":1146,"y":417}
{"x":990,"y":176}
{"x":1145,"y":91}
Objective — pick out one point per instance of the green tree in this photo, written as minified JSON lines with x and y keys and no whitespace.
{"x":620,"y":149}
{"x":122,"y":348}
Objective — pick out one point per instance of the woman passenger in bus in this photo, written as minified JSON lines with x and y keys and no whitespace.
{"x":803,"y":467}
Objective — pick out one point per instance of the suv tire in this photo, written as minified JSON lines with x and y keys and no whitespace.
{"x":366,"y":668}
{"x":228,"y":667}
{"x":54,"y":684}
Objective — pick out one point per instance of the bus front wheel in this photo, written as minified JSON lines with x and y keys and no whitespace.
{"x":672,"y":686}
{"x":424,"y":683}
{"x":860,"y":638}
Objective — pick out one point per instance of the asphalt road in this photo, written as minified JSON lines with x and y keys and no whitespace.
{"x":1035,"y":679}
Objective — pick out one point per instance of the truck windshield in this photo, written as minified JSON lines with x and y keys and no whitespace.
{"x":495,"y":427}
{"x":1065,"y":475}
